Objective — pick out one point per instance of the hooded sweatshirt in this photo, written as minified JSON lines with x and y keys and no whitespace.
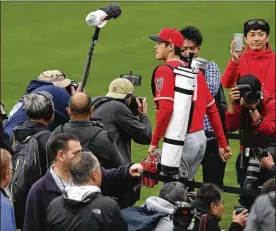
{"x":262,"y":214}
{"x":82,"y":208}
{"x":157,"y":204}
{"x":60,"y":100}
{"x":258,"y":63}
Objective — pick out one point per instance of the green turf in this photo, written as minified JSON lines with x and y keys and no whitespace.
{"x":37,"y":36}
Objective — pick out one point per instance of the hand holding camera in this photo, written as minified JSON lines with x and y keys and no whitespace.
{"x":240,"y":215}
{"x":142,"y":105}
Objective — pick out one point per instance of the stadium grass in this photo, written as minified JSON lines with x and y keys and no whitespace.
{"x":38,"y":36}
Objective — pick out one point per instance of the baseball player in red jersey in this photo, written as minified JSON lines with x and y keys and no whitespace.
{"x":168,"y":48}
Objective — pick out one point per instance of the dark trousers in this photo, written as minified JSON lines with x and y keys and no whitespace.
{"x":264,"y":175}
{"x":212,"y":165}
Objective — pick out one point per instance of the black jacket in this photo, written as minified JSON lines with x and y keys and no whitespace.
{"x":117,"y":117}
{"x":100,"y":142}
{"x":29,"y":128}
{"x":91,"y":212}
{"x":209,"y":222}
{"x":115,"y":183}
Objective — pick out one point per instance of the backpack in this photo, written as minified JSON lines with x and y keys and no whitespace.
{"x":153,"y":93}
{"x":87,"y":139}
{"x":26,"y":163}
{"x":141,"y":219}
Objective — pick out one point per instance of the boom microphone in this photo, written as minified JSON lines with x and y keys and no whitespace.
{"x":99,"y":18}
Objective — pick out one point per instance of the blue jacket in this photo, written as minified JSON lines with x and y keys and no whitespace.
{"x":60,"y":98}
{"x":7,"y":214}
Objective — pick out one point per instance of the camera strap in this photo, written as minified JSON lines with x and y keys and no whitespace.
{"x":202,"y":223}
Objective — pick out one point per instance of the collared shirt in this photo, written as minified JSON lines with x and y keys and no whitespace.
{"x":59,"y":182}
{"x":212,"y":77}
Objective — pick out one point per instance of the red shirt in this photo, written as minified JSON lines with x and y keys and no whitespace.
{"x":259,"y":63}
{"x":164,"y":80}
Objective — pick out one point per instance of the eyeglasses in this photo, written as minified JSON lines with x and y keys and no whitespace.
{"x":258,"y":21}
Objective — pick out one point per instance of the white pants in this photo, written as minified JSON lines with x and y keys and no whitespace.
{"x":193,"y":153}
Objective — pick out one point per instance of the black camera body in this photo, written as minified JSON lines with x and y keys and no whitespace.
{"x":133,"y":106}
{"x":249,"y":96}
{"x":256,"y":152}
{"x":184,"y":216}
{"x":239,"y":209}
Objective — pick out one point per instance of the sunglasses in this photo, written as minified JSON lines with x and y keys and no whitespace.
{"x":256,"y":21}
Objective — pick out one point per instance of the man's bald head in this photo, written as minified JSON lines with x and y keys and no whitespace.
{"x":80,"y":104}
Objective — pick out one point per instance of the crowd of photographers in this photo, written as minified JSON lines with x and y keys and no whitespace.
{"x":66,"y":159}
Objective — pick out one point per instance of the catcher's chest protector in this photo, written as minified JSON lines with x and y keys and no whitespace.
{"x":185,"y":82}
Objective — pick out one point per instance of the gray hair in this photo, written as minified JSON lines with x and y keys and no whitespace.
{"x":174,"y":191}
{"x":38,"y":105}
{"x":81,"y":167}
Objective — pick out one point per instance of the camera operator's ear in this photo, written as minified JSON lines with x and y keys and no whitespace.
{"x":68,"y":111}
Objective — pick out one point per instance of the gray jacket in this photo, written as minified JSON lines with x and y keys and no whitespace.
{"x":262,"y":214}
{"x":117,"y":117}
{"x":160,"y":205}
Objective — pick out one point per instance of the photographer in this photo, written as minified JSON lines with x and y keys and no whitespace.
{"x":118,"y":111}
{"x":210,"y":204}
{"x":257,"y":59}
{"x":55,"y":83}
{"x":252,"y":111}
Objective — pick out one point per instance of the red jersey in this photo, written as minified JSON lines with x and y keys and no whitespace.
{"x":164,"y":80}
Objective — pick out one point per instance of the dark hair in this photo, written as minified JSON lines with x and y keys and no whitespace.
{"x":192,"y":33}
{"x":256,"y":24}
{"x":177,"y":50}
{"x":269,"y":186}
{"x":81,"y":167}
{"x":209,"y":193}
{"x":76,"y":108}
{"x":252,"y":80}
{"x":174,"y":191}
{"x":60,"y":142}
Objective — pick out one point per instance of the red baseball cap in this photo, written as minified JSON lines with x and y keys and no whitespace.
{"x":169,"y":35}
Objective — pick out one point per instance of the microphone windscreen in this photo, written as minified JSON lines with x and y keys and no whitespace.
{"x":112,"y":10}
{"x":96,"y":18}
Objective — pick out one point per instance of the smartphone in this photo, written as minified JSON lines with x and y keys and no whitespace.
{"x":238,"y":38}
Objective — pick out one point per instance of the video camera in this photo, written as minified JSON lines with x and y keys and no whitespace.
{"x":184,"y":216}
{"x":136,"y":80}
{"x":249,"y":96}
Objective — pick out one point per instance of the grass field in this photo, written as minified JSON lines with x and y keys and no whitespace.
{"x":38,"y":36}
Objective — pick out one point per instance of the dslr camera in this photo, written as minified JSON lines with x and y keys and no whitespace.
{"x":254,"y":166}
{"x":136,"y":80}
{"x":249,"y":96}
{"x":72,"y":84}
{"x":184,"y":216}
